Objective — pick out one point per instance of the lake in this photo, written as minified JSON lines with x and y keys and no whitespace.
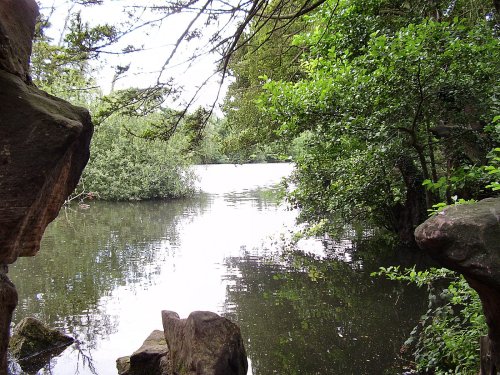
{"x":104,"y":274}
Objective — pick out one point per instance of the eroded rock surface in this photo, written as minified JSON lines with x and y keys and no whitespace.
{"x":8,"y":302}
{"x":44,"y":146}
{"x":17,"y":23}
{"x":466,"y":238}
{"x":204,"y":344}
{"x":150,"y":359}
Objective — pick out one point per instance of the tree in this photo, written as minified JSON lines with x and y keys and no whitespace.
{"x":124,"y":167}
{"x":60,"y":70}
{"x":221,"y":28}
{"x":388,"y":84}
{"x":269,"y":53}
{"x":399,"y":104}
{"x":129,"y":160}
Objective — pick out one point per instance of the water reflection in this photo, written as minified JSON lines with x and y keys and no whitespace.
{"x":104,"y":274}
{"x":303,"y":314}
{"x":86,"y":254}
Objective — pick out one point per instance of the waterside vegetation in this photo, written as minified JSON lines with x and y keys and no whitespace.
{"x":389,"y":110}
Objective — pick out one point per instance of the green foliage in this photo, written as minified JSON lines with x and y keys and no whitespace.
{"x":473,"y":177}
{"x":402,"y":103}
{"x":61,"y":72}
{"x":209,"y":149}
{"x":438,"y":207}
{"x":124,"y":167}
{"x":84,"y":39}
{"x":494,"y":169}
{"x":130,"y":158}
{"x":139,"y":102}
{"x":473,"y":180}
{"x":248,"y":134}
{"x":446,"y":340}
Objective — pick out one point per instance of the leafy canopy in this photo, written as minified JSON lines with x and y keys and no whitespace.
{"x":407,"y":100}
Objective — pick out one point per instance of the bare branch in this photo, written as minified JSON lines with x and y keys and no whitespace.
{"x":182,"y":37}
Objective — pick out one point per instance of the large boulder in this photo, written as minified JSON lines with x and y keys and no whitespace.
{"x":150,"y":359}
{"x":466,"y":238}
{"x":44,"y":141}
{"x":204,"y":344}
{"x":32,"y":338}
{"x":44,"y":146}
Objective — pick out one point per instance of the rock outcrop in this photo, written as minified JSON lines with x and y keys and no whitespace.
{"x":17,"y":23}
{"x":150,"y":359}
{"x":33,"y":343}
{"x":204,"y":344}
{"x":44,"y":146}
{"x":466,"y":239}
{"x":8,"y":302}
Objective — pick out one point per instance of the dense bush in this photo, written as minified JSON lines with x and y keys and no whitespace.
{"x":125,"y":167}
{"x":446,"y":339}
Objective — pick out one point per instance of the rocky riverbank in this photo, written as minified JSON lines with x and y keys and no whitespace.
{"x":203,"y":343}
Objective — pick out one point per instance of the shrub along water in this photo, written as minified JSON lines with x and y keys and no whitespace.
{"x":126,"y":167}
{"x":446,"y":339}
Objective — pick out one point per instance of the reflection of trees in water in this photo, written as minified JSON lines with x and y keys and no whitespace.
{"x":87,"y":254}
{"x":305,"y":315}
{"x":262,"y":198}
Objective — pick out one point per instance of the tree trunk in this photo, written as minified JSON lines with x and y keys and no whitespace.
{"x":413,"y":212}
{"x":488,"y":366}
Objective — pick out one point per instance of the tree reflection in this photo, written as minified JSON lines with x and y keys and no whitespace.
{"x":262,"y":198}
{"x":86,"y":254}
{"x":306,"y":315}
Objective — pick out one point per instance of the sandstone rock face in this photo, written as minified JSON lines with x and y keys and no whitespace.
{"x":204,"y":344}
{"x":44,"y":146}
{"x":150,"y":359}
{"x":466,"y":238}
{"x":17,"y":23}
{"x":44,"y":141}
{"x":8,"y":302}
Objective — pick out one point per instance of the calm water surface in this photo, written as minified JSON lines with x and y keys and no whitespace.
{"x":104,"y":274}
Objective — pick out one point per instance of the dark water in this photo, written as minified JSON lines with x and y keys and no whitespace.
{"x":104,"y":274}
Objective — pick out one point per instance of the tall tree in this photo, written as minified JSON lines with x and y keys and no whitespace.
{"x":395,"y":96}
{"x":270,"y":54}
{"x":386,"y":95}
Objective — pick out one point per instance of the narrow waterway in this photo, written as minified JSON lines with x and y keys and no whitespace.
{"x":104,"y":273}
